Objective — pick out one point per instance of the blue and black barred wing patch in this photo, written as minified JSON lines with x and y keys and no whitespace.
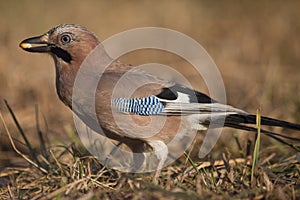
{"x":141,"y":106}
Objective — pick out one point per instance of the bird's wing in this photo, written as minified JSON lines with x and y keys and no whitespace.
{"x":175,"y":100}
{"x":153,"y":95}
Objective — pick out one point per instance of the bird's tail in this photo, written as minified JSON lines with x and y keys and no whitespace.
{"x":266,"y":121}
{"x":241,"y":121}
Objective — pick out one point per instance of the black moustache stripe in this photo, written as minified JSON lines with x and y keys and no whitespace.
{"x":62,"y":54}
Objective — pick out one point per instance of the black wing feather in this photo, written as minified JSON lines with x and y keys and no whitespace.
{"x":171,"y":93}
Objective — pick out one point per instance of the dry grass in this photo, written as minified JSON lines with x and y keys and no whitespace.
{"x":63,"y":172}
{"x":254,"y":44}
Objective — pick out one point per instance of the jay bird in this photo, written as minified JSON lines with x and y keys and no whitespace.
{"x":70,"y":44}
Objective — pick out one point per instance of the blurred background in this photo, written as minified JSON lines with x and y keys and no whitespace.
{"x":255,"y":44}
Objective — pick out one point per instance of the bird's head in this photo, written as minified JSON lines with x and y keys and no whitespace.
{"x":66,"y":43}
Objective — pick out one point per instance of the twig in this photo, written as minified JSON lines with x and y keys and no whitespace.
{"x":203,"y":165}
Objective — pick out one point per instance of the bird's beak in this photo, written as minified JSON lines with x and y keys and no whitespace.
{"x":36,"y":44}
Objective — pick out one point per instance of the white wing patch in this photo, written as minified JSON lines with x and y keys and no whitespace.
{"x":183,"y":98}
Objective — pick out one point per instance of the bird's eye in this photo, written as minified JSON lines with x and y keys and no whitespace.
{"x":65,"y":39}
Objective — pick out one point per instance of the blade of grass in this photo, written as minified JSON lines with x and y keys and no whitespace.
{"x":39,"y":132}
{"x":192,"y":162}
{"x":257,"y":145}
{"x":19,"y":127}
{"x":190,"y":151}
{"x":80,"y":169}
{"x":31,"y":150}
{"x":17,"y":150}
{"x":239,"y":145}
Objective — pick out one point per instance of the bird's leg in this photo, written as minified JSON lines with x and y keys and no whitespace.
{"x":113,"y":151}
{"x":138,"y":148}
{"x":161,"y":151}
